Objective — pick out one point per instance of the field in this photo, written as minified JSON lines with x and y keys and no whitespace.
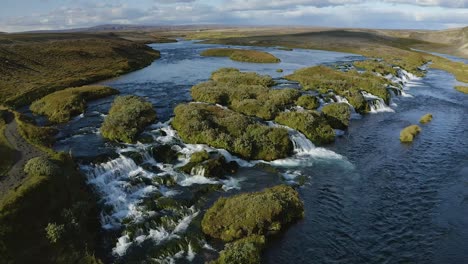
{"x":34,"y":65}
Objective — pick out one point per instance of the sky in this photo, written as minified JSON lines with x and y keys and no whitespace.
{"x":25,"y":15}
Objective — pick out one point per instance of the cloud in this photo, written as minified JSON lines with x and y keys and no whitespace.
{"x":428,"y":14}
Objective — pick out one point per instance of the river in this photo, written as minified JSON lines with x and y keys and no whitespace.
{"x":368,"y":198}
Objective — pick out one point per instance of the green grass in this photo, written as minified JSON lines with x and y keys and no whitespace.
{"x":199,"y":123}
{"x":127,"y":118}
{"x":43,"y":137}
{"x":253,"y":56}
{"x":258,"y":213}
{"x":462,"y":89}
{"x":347,"y":84}
{"x":312,"y":124}
{"x":34,"y":65}
{"x":426,"y":119}
{"x":376,"y":66}
{"x":61,"y":106}
{"x":408,"y":133}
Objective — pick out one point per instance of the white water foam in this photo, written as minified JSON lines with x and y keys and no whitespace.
{"x":376,"y":104}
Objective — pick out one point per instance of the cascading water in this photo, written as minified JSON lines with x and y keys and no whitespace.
{"x":354,"y":114}
{"x":376,"y":104}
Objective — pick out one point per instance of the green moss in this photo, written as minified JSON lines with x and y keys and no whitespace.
{"x":62,"y":105}
{"x":376,"y":66}
{"x":128,"y":116}
{"x":279,"y":70}
{"x":408,"y":133}
{"x":199,"y":123}
{"x":200,"y":156}
{"x":213,"y":167}
{"x":426,"y":119}
{"x":243,"y":251}
{"x":338,"y":115}
{"x":347,"y":84}
{"x":314,"y":126}
{"x":256,"y":213}
{"x":242,"y":55}
{"x":309,"y":102}
{"x":462,"y":89}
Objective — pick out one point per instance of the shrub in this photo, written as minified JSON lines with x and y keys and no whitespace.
{"x":338,"y":115}
{"x":128,"y":116}
{"x":199,"y":123}
{"x":463,"y":89}
{"x":308,"y":102}
{"x":426,"y":119}
{"x":408,"y":133}
{"x":311,"y":124}
{"x":60,"y":106}
{"x":42,"y":166}
{"x":242,"y":251}
{"x":242,"y":55}
{"x":255,"y":213}
{"x":54,"y":232}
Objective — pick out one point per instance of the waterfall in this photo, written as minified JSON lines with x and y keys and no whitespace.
{"x":376,"y":103}
{"x":302,"y":145}
{"x":354,"y":114}
{"x":198,"y":171}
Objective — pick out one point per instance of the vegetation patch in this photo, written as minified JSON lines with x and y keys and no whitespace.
{"x":199,"y":123}
{"x":408,"y":133}
{"x":215,"y":166}
{"x":243,"y":251}
{"x":347,"y":84}
{"x":7,"y":152}
{"x":463,"y":89}
{"x":253,"y":56}
{"x":426,"y":119}
{"x":128,"y":116}
{"x":258,"y":213}
{"x":376,"y":66}
{"x":312,"y":124}
{"x":309,"y":102}
{"x":247,"y":93}
{"x":338,"y":115}
{"x":36,"y":135}
{"x":62,"y":105}
{"x":42,"y":166}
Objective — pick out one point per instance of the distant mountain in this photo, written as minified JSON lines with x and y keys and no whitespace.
{"x":122,"y":28}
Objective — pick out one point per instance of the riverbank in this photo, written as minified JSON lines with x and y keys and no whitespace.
{"x":65,"y":227}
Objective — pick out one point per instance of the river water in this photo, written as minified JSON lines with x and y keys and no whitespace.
{"x":368,"y":198}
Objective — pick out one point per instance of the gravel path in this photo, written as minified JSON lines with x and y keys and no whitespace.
{"x":24,"y":152}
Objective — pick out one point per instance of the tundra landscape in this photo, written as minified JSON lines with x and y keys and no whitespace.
{"x":226,"y":143}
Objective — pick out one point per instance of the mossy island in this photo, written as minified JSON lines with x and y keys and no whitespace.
{"x":309,"y":102}
{"x":247,"y":219}
{"x":425,"y":119}
{"x":210,"y":165}
{"x":408,"y":133}
{"x":376,"y":66}
{"x":347,"y":84}
{"x":245,"y":92}
{"x":242,"y":55}
{"x":200,"y":123}
{"x":127,"y":118}
{"x":62,"y":105}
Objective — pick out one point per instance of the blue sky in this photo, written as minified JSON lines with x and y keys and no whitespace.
{"x":23,"y":15}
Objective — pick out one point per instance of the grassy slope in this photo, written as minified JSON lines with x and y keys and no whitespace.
{"x":33,"y":65}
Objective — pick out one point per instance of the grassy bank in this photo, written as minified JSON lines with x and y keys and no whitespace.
{"x":242,"y":55}
{"x":462,"y":89}
{"x":34,"y":65}
{"x":52,"y":216}
{"x":62,"y":105}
